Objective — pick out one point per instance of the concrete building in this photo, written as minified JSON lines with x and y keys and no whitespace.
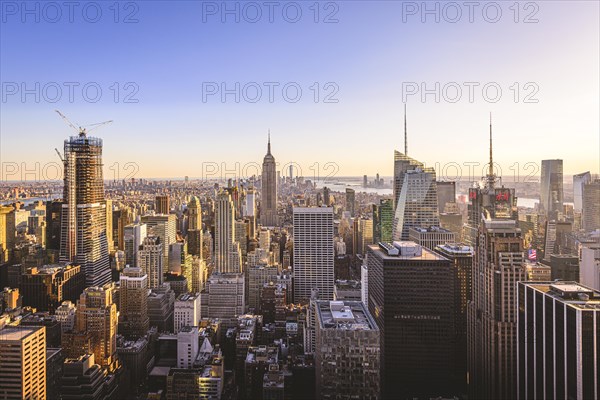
{"x":347,"y":351}
{"x":227,"y":256}
{"x":133,"y":307}
{"x":187,"y":311}
{"x":224,"y":296}
{"x":151,"y":259}
{"x":161,"y":305}
{"x":591,"y":206}
{"x":431,"y":236}
{"x":313,"y":252}
{"x":22,"y":362}
{"x":556,"y":341}
{"x":165,"y":227}
{"x":47,"y":287}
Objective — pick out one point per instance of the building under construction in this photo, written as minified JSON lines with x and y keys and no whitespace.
{"x":83,"y":222}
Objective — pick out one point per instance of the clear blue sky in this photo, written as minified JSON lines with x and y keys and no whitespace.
{"x":367,"y":54}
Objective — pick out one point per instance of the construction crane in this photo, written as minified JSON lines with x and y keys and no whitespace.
{"x":59,"y":155}
{"x":82,"y":130}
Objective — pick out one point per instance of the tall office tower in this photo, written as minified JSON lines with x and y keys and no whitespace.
{"x":485,"y":197}
{"x":556,"y":341}
{"x":363,"y":235}
{"x":578,"y":181}
{"x":431,"y":237}
{"x":204,"y":381}
{"x":591,"y":205}
{"x":187,"y":311}
{"x":162,"y":204}
{"x":194,"y":242}
{"x":180,"y":262}
{"x":109,"y":225}
{"x":402,"y":164}
{"x":133,"y":236}
{"x":241,"y":237}
{"x":199,"y":275}
{"x":133,"y":303}
{"x":7,"y":235}
{"x":347,"y":351}
{"x":351,"y":202}
{"x":446,"y":193}
{"x":461,"y":257}
{"x":226,"y":257}
{"x":165,"y":227}
{"x":268,"y":202}
{"x":551,"y":187}
{"x":23,"y":362}
{"x":326,"y":196}
{"x":417,"y":202}
{"x":257,"y":277}
{"x":150,"y":260}
{"x":224,"y":296}
{"x":124,"y":216}
{"x":47,"y":287}
{"x":498,"y":265}
{"x":194,"y":214}
{"x":313,"y":252}
{"x":383,"y":219}
{"x":84,"y":240}
{"x":250,"y":212}
{"x":97,"y":315}
{"x":82,"y":379}
{"x":53,"y":221}
{"x":411,"y":297}
{"x":161,"y":304}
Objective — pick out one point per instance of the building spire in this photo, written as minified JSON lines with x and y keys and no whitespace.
{"x":405,"y":134}
{"x":269,"y":143}
{"x":491,"y":153}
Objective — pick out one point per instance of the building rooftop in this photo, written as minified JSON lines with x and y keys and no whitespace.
{"x":573,"y":294}
{"x":406,"y":250}
{"x":456,"y":249}
{"x":437,"y":229}
{"x":344,"y":315}
{"x":17,"y":333}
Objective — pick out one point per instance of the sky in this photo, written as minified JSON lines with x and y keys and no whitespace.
{"x":193,"y":88}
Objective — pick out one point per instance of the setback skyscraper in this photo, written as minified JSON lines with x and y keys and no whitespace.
{"x":268,"y":201}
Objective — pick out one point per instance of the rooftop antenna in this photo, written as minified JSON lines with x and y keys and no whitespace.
{"x":269,"y":143}
{"x":405,"y":134}
{"x":491,"y":178}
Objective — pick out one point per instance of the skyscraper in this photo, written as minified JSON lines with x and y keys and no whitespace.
{"x":23,"y":362}
{"x":591,"y":205}
{"x":578,"y":181}
{"x":351,"y":202}
{"x":551,"y":187}
{"x":498,"y":265}
{"x":162,"y":204}
{"x":557,"y":337}
{"x":268,"y":203}
{"x":411,"y":297}
{"x":133,"y":298}
{"x":84,"y":239}
{"x":133,"y":236}
{"x":313,"y":252}
{"x":194,"y":214}
{"x":150,"y":260}
{"x":446,"y":193}
{"x":486,"y":198}
{"x":165,"y":227}
{"x":383,"y":219}
{"x":417,"y":202}
{"x":227,"y":253}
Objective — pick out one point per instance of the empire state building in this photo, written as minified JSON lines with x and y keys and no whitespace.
{"x":268,"y":204}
